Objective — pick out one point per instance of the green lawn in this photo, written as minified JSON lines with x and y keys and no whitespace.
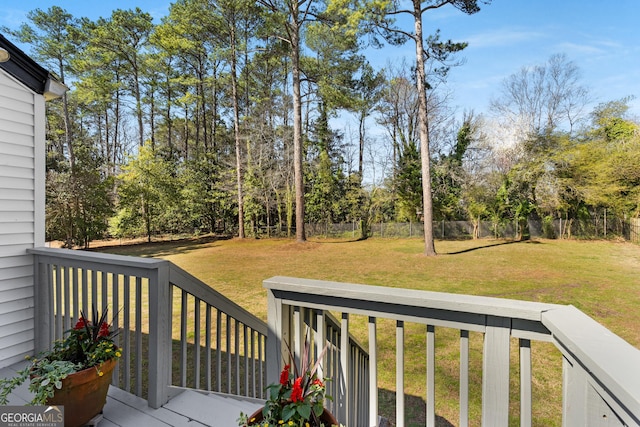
{"x":600,"y":278}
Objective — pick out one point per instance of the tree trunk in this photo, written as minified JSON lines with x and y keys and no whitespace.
{"x":297,"y":124}
{"x":236,"y":132}
{"x":168,"y":119}
{"x":429,"y":247}
{"x":361,"y":136}
{"x":67,"y":121}
{"x":289,"y":212}
{"x":138,"y":97}
{"x":152,"y":116}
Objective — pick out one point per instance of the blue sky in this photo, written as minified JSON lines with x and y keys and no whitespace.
{"x":602,"y":38}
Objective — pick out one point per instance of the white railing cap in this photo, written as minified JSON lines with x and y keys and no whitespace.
{"x":409,"y":297}
{"x":98,"y":257}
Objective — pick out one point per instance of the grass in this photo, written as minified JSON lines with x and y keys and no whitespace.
{"x":599,"y":277}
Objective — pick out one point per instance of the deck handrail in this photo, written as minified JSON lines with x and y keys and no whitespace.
{"x":220,"y":345}
{"x":601,"y":375}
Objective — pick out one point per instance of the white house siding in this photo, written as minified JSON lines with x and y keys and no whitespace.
{"x":21,"y":213}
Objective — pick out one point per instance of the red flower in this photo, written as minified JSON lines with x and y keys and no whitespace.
{"x":104,"y":330}
{"x":82,"y":322}
{"x":296,"y":394}
{"x":284,"y":375}
{"x":318,"y":382}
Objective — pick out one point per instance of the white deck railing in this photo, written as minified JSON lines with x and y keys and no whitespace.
{"x":174,"y":329}
{"x":601,"y":384}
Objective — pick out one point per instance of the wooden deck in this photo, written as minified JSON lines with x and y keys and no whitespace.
{"x":188,"y":408}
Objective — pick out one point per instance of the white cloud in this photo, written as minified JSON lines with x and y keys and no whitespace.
{"x":573,"y":49}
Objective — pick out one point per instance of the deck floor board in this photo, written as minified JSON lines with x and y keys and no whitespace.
{"x":123,"y":409}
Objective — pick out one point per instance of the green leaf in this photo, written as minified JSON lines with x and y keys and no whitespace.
{"x":288,"y":412}
{"x":273,"y":393}
{"x":318,"y":408}
{"x":304,"y":411}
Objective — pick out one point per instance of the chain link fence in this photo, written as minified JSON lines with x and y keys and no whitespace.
{"x":610,"y":228}
{"x":634,"y":230}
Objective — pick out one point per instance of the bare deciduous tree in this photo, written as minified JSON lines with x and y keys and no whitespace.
{"x":543,"y":97}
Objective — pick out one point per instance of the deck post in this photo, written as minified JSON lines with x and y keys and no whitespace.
{"x":159,"y":336}
{"x":495,"y":377}
{"x":278,"y":321}
{"x":43,"y":316}
{"x":574,"y":391}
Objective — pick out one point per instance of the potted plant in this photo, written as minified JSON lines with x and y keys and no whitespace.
{"x":296,"y":400}
{"x":75,"y":374}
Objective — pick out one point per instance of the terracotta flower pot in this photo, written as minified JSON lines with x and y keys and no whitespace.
{"x":84,"y":393}
{"x":326,"y":418}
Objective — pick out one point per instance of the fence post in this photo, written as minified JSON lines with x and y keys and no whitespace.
{"x":159,"y":335}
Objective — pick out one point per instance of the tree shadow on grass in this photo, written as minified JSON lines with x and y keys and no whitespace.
{"x":336,"y":240}
{"x":415,"y":410}
{"x":160,"y":248}
{"x":507,"y":242}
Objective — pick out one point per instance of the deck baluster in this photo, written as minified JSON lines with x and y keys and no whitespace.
{"x":399,"y":373}
{"x":464,"y":378}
